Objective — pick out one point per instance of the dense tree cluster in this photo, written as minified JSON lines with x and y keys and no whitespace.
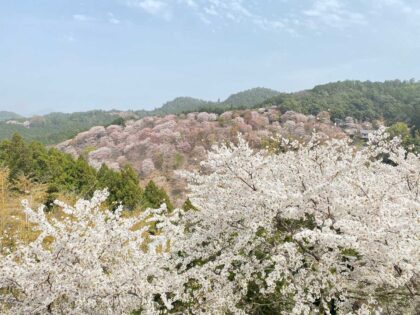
{"x":317,"y":228}
{"x":245,"y":99}
{"x":56,"y":127}
{"x":64,"y":174}
{"x":5,"y":115}
{"x":394,"y":101}
{"x":410,"y":138}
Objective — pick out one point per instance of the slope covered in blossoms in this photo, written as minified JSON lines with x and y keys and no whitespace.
{"x":156,"y":146}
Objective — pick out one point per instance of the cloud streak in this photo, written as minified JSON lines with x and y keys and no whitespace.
{"x":275,"y":15}
{"x":157,"y":8}
{"x":333,"y":13}
{"x":83,"y":18}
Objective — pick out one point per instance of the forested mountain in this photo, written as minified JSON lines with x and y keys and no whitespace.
{"x":55,"y":127}
{"x":391,"y":100}
{"x":245,"y":99}
{"x":249,"y":98}
{"x":4,"y":115}
{"x":182,"y":104}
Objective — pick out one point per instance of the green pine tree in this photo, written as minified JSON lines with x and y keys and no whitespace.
{"x":154,"y":197}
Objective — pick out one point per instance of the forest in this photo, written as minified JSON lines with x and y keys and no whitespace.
{"x":393,"y":101}
{"x":31,"y":170}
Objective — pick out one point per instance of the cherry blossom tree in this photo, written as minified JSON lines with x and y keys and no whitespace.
{"x":90,"y":262}
{"x":310,"y":228}
{"x":322,"y":228}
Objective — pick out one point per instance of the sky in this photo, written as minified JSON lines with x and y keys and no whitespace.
{"x":70,"y":55}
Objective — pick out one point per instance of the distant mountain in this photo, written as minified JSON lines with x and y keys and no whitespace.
{"x":4,"y":115}
{"x":242,"y":100}
{"x":392,"y":101}
{"x":250,"y":98}
{"x":183,"y":104}
{"x":56,"y":127}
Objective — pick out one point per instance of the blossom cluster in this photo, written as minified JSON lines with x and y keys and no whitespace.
{"x":322,"y":227}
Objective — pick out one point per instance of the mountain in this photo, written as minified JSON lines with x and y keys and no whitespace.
{"x":156,"y":146}
{"x":4,"y":115}
{"x":392,"y":101}
{"x":250,"y":98}
{"x":246,"y":99}
{"x":183,"y":104}
{"x":56,"y":127}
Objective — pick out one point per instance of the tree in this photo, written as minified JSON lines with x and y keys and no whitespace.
{"x":188,"y":206}
{"x":317,"y":229}
{"x":408,"y":138}
{"x":123,"y":186}
{"x":154,"y":197}
{"x":17,"y":156}
{"x":94,"y":265}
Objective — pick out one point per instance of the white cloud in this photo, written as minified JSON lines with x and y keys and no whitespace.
{"x":400,"y":5}
{"x":112,"y":19}
{"x":153,"y":7}
{"x":82,"y":18}
{"x":286,"y":15}
{"x":332,"y":13}
{"x":190,"y":3}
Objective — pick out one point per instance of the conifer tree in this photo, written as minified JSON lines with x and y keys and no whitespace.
{"x":154,"y":197}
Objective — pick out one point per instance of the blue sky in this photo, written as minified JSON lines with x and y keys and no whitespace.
{"x":72,"y":55}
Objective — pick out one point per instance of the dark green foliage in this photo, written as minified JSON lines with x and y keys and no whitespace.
{"x":392,"y":101}
{"x":409,"y":138}
{"x":188,"y":206}
{"x":154,"y":197}
{"x":8,"y":116}
{"x":246,"y":99}
{"x":56,"y":127}
{"x":119,"y":121}
{"x":123,"y":186}
{"x":64,"y":174}
{"x":250,"y":98}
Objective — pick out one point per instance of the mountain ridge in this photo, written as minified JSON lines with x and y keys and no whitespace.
{"x":392,"y":101}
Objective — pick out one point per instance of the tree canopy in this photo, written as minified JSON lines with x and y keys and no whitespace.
{"x":317,"y":228}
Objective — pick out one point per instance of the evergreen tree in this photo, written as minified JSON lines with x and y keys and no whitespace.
{"x":123,"y":186}
{"x":188,"y":206}
{"x":154,"y":197}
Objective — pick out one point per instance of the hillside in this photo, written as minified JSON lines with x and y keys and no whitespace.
{"x":5,"y":115}
{"x":246,"y":99}
{"x":249,"y":98}
{"x":392,"y":101}
{"x":55,"y":127}
{"x":158,"y":146}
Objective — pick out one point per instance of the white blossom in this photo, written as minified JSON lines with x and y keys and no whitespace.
{"x":316,"y":228}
